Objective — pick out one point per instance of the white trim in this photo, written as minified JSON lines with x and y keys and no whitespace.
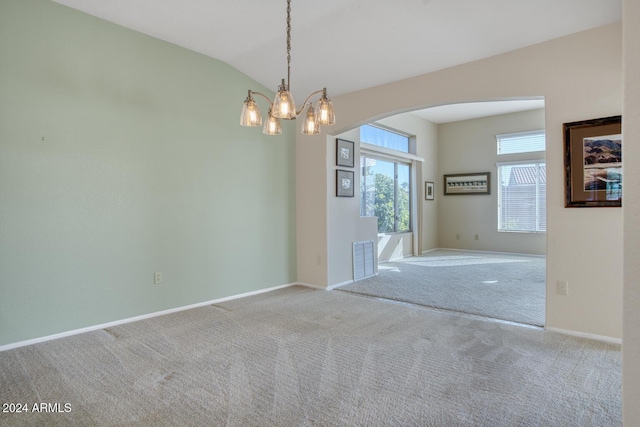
{"x":376,"y":150}
{"x":602,"y":338}
{"x":429,"y":250}
{"x":520,"y":134}
{"x":309,"y":285}
{"x":331,"y":287}
{"x":492,"y":252}
{"x":136,"y":318}
{"x":521,"y":162}
{"x":348,"y":282}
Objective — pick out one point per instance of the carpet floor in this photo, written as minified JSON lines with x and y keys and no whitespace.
{"x":304,"y":357}
{"x":507,"y":287}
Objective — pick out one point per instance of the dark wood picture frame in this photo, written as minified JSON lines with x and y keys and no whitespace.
{"x":593,"y":163}
{"x":344,"y":153}
{"x":344,"y":183}
{"x":467,"y":183}
{"x":429,"y":190}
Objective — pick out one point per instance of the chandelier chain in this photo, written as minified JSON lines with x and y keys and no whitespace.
{"x":288,"y":41}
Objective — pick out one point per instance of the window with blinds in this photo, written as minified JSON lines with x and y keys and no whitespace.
{"x":521,"y":142}
{"x":384,"y":138}
{"x":522,"y":195}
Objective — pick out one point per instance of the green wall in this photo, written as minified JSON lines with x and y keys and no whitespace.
{"x":121,"y":155}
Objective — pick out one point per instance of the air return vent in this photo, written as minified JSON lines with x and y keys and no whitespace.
{"x":363,"y":260}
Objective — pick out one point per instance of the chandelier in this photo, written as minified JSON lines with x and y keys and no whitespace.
{"x":283,"y":106}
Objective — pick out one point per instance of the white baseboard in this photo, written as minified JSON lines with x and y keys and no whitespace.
{"x":136,"y":318}
{"x":465,"y":250}
{"x":430,"y":250}
{"x":337,"y":285}
{"x":489,"y":252}
{"x":332,"y":287}
{"x":602,"y":338}
{"x":309,"y":285}
{"x":322,"y":288}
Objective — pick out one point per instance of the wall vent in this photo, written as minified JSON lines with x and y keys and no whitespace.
{"x":363,"y":260}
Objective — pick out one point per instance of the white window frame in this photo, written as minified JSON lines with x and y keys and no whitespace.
{"x":396,"y":160}
{"x":500,"y":165}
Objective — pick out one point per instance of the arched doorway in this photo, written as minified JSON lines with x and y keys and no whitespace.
{"x":461,"y":139}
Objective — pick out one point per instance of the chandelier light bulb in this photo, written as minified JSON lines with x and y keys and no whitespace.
{"x":272,"y":125}
{"x":311,"y":125}
{"x":325,"y":113}
{"x":250,"y":115}
{"x":284,"y":107}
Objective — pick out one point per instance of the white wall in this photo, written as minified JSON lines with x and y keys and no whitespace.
{"x":393,"y":247}
{"x":344,"y":219}
{"x":580,"y":77}
{"x":426,"y":136}
{"x":631,"y":207}
{"x":344,"y":212}
{"x":470,"y":146}
{"x":311,"y":209}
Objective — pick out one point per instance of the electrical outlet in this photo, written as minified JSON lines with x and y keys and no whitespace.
{"x":477,"y":237}
{"x":157,"y":278}
{"x":457,"y":236}
{"x":562,"y":287}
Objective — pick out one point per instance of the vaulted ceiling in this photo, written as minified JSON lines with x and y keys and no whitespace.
{"x":347,"y":45}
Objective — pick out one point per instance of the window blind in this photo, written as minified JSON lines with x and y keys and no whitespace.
{"x":522,"y":194}
{"x":384,"y":138}
{"x":521,"y":142}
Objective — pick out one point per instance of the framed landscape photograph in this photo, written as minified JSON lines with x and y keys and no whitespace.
{"x":344,"y":183}
{"x":593,"y":163}
{"x":344,"y":153}
{"x":429,"y":193}
{"x":467,"y":183}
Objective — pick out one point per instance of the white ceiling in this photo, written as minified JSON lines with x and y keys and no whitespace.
{"x":347,"y":45}
{"x":476,"y":110}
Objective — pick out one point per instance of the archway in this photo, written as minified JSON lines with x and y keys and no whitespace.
{"x":440,"y":218}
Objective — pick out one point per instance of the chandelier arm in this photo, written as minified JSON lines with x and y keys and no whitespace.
{"x":304,"y":104}
{"x":262,"y":95}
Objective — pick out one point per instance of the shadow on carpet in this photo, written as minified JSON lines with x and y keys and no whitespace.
{"x":506,"y":287}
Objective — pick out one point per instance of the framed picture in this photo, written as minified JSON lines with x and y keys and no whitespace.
{"x":467,"y":183}
{"x":593,"y":163}
{"x":344,"y":183}
{"x":429,"y":190}
{"x":344,"y":153}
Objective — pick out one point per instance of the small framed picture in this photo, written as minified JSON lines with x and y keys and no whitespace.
{"x":593,"y":163}
{"x":344,"y":183}
{"x":344,"y":153}
{"x":429,"y":193}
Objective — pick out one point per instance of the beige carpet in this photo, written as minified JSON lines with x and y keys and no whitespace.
{"x":302,"y":357}
{"x":506,"y":287}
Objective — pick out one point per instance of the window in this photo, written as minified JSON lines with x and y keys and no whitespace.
{"x":385,"y":193}
{"x":384,"y":138}
{"x":521,"y":142}
{"x":522,"y":194}
{"x":522,"y":186}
